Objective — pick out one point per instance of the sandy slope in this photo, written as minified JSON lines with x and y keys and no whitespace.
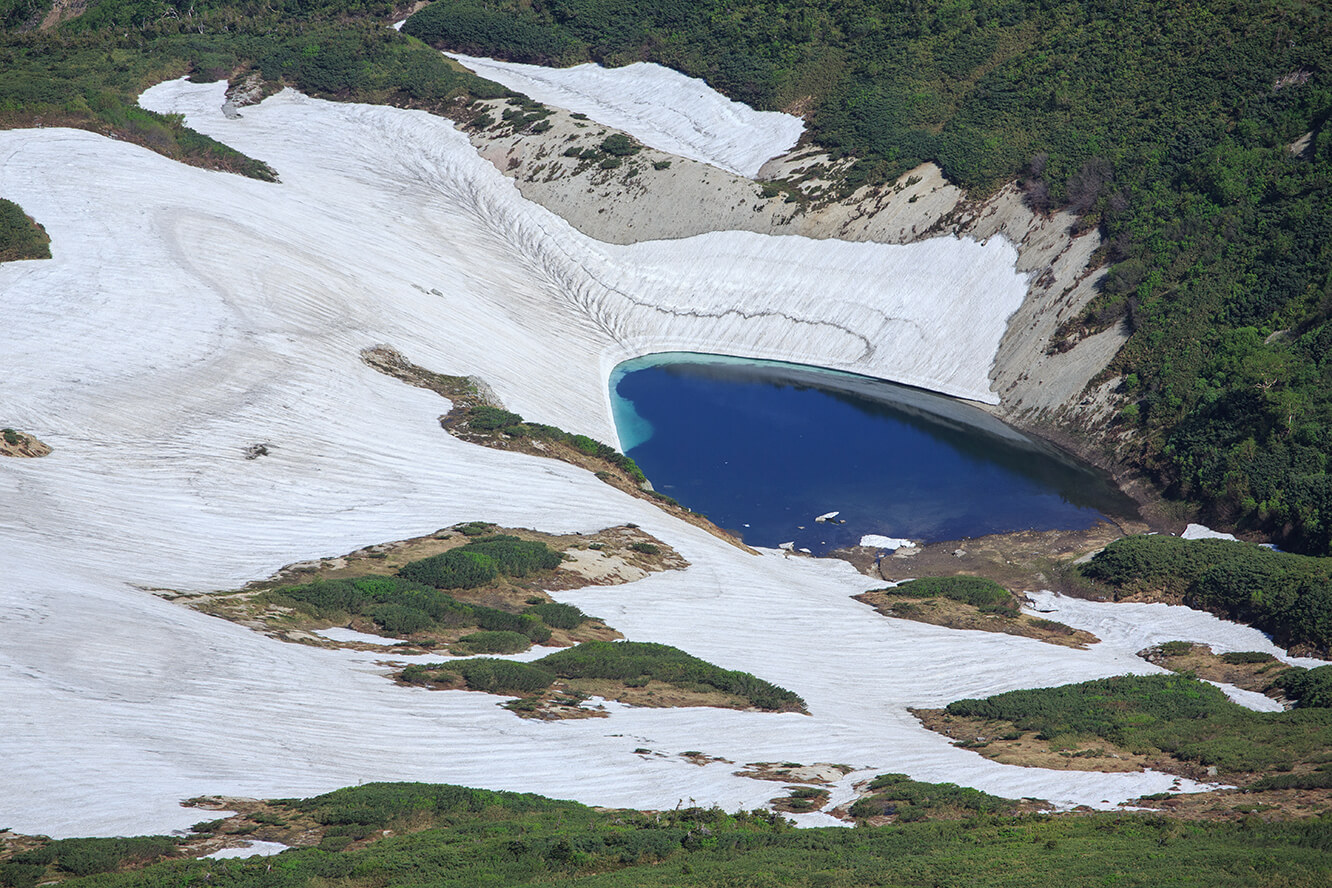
{"x":188,"y":314}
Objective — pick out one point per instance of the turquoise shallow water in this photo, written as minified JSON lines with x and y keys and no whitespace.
{"x":763,"y":448}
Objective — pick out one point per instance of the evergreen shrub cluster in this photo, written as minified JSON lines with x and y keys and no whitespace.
{"x":987,"y":596}
{"x":1284,"y":594}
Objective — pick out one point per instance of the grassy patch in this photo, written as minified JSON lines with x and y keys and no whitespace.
{"x":904,"y":800}
{"x":399,"y":835}
{"x":1174,"y":716}
{"x":968,"y":602}
{"x":619,"y":670}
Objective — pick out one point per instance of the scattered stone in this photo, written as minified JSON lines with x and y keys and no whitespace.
{"x":254,"y":451}
{"x":229,"y":111}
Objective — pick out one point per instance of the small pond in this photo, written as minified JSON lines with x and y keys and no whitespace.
{"x":763,"y":448}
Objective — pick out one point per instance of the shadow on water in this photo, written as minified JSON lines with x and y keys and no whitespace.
{"x":763,"y":447}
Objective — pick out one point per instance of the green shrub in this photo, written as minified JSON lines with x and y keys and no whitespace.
{"x":455,"y":569}
{"x":986,"y":595}
{"x":626,"y":660}
{"x":20,"y":238}
{"x":1176,"y":714}
{"x":1286,"y":595}
{"x":1243,"y":658}
{"x":646,"y":548}
{"x":490,"y":419}
{"x":1175,"y":648}
{"x":400,"y":620}
{"x":620,"y":145}
{"x":1309,"y":688}
{"x":913,"y":800}
{"x":560,"y":616}
{"x":503,"y":676}
{"x":495,"y":642}
{"x":85,"y":857}
{"x":514,"y":557}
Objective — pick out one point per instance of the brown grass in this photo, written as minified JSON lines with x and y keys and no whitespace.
{"x":942,"y":611}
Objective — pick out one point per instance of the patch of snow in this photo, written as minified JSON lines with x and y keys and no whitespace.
{"x":1129,"y":627}
{"x":662,"y":108}
{"x":876,"y":541}
{"x":1203,"y":532}
{"x":187,"y":314}
{"x":1248,"y":699}
{"x":826,"y":516}
{"x":341,"y":633}
{"x":251,"y":849}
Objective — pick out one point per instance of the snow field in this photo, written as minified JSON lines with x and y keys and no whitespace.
{"x":188,"y":314}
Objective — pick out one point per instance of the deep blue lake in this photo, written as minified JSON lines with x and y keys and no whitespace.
{"x":762,"y":448}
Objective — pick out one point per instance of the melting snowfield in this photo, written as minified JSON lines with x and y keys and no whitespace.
{"x":188,"y":315}
{"x":662,"y":108}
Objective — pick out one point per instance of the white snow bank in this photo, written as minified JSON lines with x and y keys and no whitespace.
{"x":189,"y":314}
{"x":878,"y":541}
{"x":1132,"y":627}
{"x":1248,"y":699}
{"x":1203,"y":532}
{"x":662,"y":108}
{"x":341,"y":633}
{"x":252,"y":849}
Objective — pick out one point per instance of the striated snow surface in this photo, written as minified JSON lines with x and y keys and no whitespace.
{"x":187,"y":315}
{"x":662,"y":108}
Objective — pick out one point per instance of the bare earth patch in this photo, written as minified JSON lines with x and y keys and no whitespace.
{"x":819,"y":773}
{"x":1001,"y":741}
{"x":21,"y":444}
{"x":604,"y":558}
{"x":959,"y":615}
{"x":1027,"y":559}
{"x":1201,"y":661}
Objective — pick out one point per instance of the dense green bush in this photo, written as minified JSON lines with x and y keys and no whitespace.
{"x":1240,"y":658}
{"x":559,"y":616}
{"x":20,"y":238}
{"x":84,"y":857}
{"x":504,"y":676}
{"x":1176,"y":714}
{"x":629,"y":660}
{"x":985,"y":595}
{"x":382,"y":805}
{"x":909,"y":800}
{"x":492,"y":419}
{"x":514,"y":557}
{"x":495,"y":642}
{"x":461,"y":568}
{"x":1286,"y":595}
{"x":1307,"y":687}
{"x":455,"y":837}
{"x":619,"y":145}
{"x":404,"y":605}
